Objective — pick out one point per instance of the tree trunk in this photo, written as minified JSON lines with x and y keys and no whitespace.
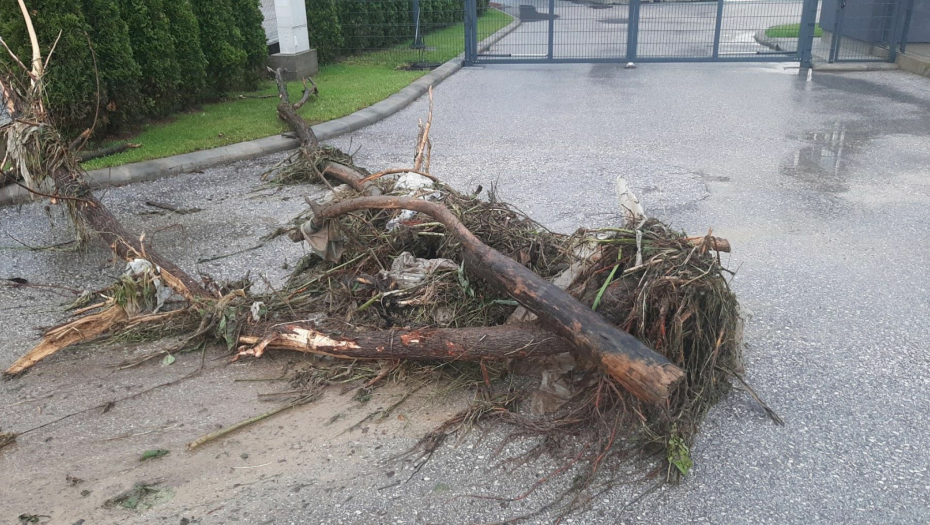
{"x":125,"y":244}
{"x":287,"y":113}
{"x":445,"y":344}
{"x":643,"y":372}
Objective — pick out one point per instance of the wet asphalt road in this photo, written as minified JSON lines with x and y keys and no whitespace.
{"x":823,"y":186}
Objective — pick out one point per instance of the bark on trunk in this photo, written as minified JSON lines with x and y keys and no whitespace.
{"x":643,"y":372}
{"x":447,"y":344}
{"x":287,"y":113}
{"x":126,"y":245}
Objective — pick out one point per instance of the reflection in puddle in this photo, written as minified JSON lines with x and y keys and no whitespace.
{"x":822,"y":163}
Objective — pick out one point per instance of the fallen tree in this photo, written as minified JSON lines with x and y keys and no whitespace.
{"x":643,"y":372}
{"x":405,"y":268}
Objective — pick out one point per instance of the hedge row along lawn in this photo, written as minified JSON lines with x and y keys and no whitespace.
{"x":790,"y":31}
{"x":344,"y":88}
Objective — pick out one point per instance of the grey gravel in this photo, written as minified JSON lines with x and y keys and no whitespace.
{"x":822,"y":187}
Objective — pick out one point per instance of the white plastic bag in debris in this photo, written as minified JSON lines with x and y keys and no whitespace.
{"x":406,"y":215}
{"x":408,"y":270}
{"x":412,"y":182}
{"x":137,"y":267}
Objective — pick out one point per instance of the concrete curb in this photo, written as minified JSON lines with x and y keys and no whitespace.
{"x":171,"y":166}
{"x":852,"y":67}
{"x":914,"y":64}
{"x":775,"y":44}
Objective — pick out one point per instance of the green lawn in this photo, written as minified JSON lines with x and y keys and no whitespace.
{"x":790,"y":31}
{"x":345,"y":87}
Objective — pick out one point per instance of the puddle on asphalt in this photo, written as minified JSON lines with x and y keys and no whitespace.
{"x":823,"y":163}
{"x":614,"y":20}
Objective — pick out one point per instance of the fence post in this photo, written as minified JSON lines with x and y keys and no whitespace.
{"x":907,"y":25}
{"x":897,"y":32}
{"x":632,"y":32}
{"x":808,"y":30}
{"x":418,"y":34}
{"x":551,"y":29}
{"x":717,"y":28}
{"x":471,"y":32}
{"x":837,"y":28}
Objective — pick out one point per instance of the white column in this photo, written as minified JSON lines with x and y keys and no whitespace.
{"x":291,"y":16}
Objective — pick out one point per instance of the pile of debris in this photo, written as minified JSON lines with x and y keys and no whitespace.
{"x":634,"y":329}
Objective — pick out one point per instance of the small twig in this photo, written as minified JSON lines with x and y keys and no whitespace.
{"x":52,"y":50}
{"x":13,"y":55}
{"x":109,"y":404}
{"x":258,"y":97}
{"x":218,"y":257}
{"x":771,"y":413}
{"x":172,"y":208}
{"x":104,"y":152}
{"x":53,"y":197}
{"x":307,"y":92}
{"x":212,"y":436}
{"x":421,"y":148}
{"x":384,"y":372}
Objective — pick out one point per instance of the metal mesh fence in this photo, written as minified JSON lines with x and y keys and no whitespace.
{"x":424,"y":33}
{"x":858,"y":30}
{"x":772,"y":24}
{"x":586,"y":30}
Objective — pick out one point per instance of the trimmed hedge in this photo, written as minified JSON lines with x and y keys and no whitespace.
{"x":254,"y":42}
{"x":324,"y":29}
{"x":153,"y":57}
{"x":340,"y":28}
{"x":188,"y":49}
{"x":120,"y":74}
{"x":222,"y":44}
{"x":72,"y":86}
{"x":153,"y":48}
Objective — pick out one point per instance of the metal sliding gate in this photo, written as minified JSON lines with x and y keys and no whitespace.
{"x":663,"y":31}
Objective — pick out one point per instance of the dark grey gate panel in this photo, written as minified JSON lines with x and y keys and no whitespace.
{"x":682,"y":30}
{"x":860,"y":30}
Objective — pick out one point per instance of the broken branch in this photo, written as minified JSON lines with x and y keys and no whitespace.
{"x":106,"y":152}
{"x":643,"y":372}
{"x":446,"y":344}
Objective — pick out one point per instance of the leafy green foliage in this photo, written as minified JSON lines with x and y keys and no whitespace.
{"x":151,"y":56}
{"x":227,"y":329}
{"x":154,"y":50}
{"x":155,"y":453}
{"x":249,"y":23}
{"x":221,"y":43}
{"x":120,"y":74}
{"x":71,"y":83}
{"x":187,"y":47}
{"x":679,"y":454}
{"x":324,"y":29}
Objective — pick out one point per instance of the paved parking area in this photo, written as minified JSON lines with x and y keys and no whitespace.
{"x":821,"y":185}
